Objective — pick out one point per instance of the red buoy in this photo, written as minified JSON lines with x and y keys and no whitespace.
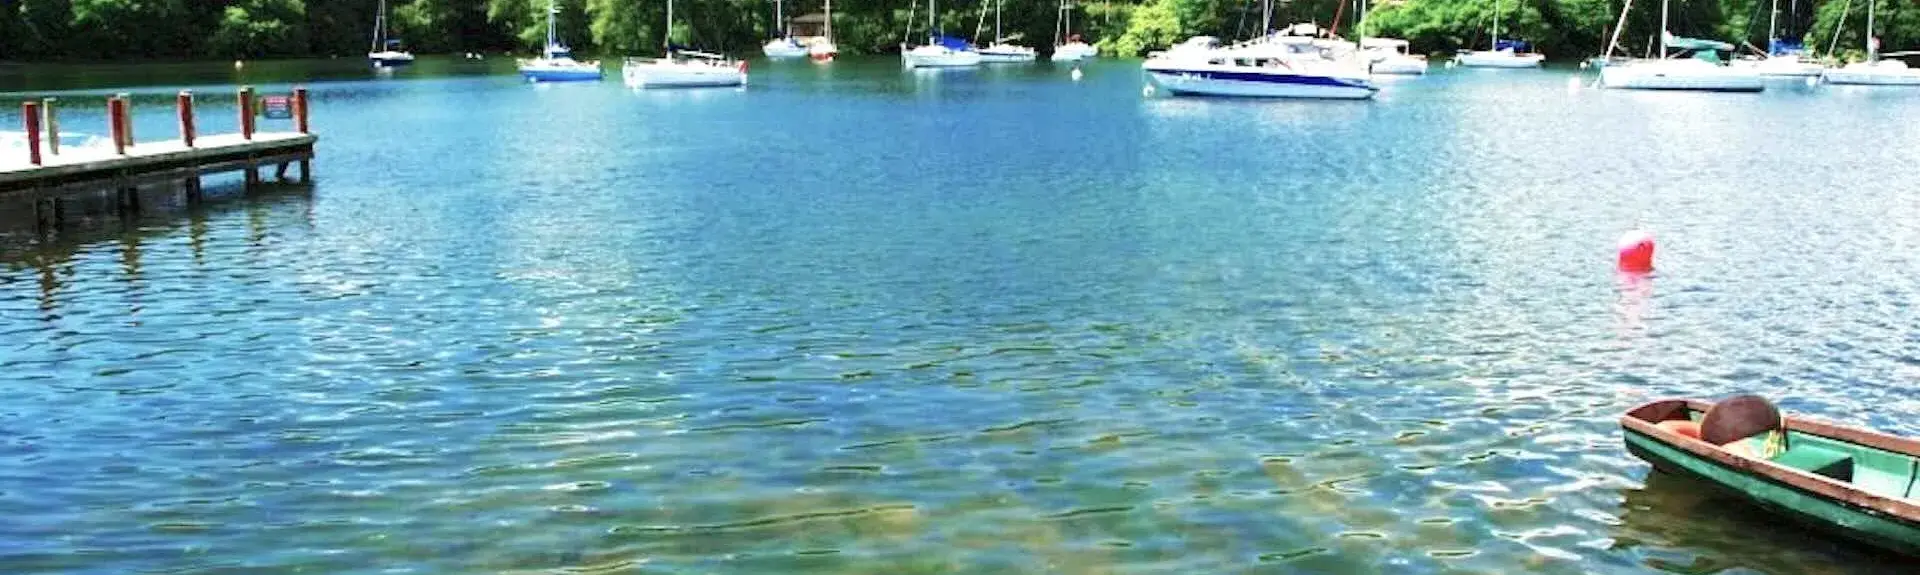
{"x":1636,"y":252}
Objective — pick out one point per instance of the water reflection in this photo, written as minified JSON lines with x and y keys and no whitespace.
{"x":95,"y":222}
{"x":1679,"y":524}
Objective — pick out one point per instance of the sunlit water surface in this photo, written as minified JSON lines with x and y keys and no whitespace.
{"x":859,"y":320}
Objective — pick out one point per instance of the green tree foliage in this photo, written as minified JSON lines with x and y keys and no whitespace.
{"x":124,"y":29}
{"x":251,"y":28}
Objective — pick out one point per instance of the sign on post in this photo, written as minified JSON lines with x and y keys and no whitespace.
{"x":277,"y":107}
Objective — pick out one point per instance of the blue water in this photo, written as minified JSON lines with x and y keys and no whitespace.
{"x":854,"y":319}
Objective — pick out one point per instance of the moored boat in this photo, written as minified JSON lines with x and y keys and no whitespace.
{"x":1067,"y":46}
{"x":683,"y":68}
{"x":556,"y":63}
{"x":785,"y":46}
{"x":1696,"y":67}
{"x":822,"y":49}
{"x":1275,"y":66}
{"x":1500,"y":53}
{"x":1874,"y":71}
{"x":1392,"y":56}
{"x":1854,"y":482}
{"x":940,"y":51}
{"x":1003,"y":50}
{"x":386,"y":52}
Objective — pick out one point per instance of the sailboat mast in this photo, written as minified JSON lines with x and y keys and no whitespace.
{"x":379,"y":26}
{"x":551,"y":10}
{"x":932,"y":26}
{"x":1495,"y":45}
{"x":1266,"y":18}
{"x":1873,"y":52}
{"x":668,"y":40}
{"x":1773,"y":23}
{"x":779,"y":18}
{"x":829,"y":25}
{"x":996,"y":21}
{"x":1663,"y":28}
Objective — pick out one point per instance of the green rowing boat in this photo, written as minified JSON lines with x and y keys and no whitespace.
{"x":1855,"y":482}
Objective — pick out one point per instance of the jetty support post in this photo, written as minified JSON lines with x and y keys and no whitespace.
{"x":116,"y":121}
{"x":126,"y":117}
{"x":246,"y":113}
{"x":300,"y":108}
{"x":185,"y":101}
{"x":187,"y":134}
{"x":50,"y":122}
{"x":245,"y":96}
{"x":30,"y":113}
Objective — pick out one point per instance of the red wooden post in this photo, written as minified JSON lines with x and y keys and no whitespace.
{"x":186,"y":117}
{"x":246,"y":112}
{"x":31,"y":112}
{"x":300,"y":110}
{"x":126,"y":117}
{"x":116,"y":122}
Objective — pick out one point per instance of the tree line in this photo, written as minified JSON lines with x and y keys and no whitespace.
{"x":185,"y":29}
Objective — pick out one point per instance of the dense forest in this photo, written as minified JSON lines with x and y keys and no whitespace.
{"x":172,"y":29}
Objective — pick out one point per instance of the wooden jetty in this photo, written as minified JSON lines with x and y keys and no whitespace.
{"x":49,"y":173}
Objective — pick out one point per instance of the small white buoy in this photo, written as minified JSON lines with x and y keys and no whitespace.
{"x":1813,"y":80}
{"x":237,"y":64}
{"x":1573,"y":84}
{"x":1147,"y":90}
{"x":1075,"y":74}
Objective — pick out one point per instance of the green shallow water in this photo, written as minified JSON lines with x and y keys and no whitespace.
{"x":858,"y":320}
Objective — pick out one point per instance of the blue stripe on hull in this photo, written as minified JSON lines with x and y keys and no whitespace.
{"x":1327,"y":87}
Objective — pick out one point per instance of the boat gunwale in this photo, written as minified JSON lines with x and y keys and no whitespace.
{"x":1636,"y":421}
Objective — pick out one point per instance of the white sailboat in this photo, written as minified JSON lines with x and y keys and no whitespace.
{"x":822,"y":48}
{"x":1002,"y":50}
{"x":1698,"y":69}
{"x":556,"y":63}
{"x":1782,"y":59}
{"x":1067,"y":46}
{"x":1391,"y":56}
{"x":1874,"y":71}
{"x":386,"y":52}
{"x":939,"y":51}
{"x":683,"y":68}
{"x":785,"y":46}
{"x":1500,"y":53}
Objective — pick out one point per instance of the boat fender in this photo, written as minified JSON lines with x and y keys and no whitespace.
{"x":743,"y":66}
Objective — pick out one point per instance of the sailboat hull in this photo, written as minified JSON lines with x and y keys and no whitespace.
{"x":1074,"y":51}
{"x":1848,"y":78}
{"x":784,"y":50}
{"x":1680,"y":74}
{"x":1002,"y":54}
{"x":670,"y":74}
{"x":390,"y":59}
{"x":1500,"y":59}
{"x":939,"y":57}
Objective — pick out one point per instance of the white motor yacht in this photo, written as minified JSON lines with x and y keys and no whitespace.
{"x":1275,"y":66}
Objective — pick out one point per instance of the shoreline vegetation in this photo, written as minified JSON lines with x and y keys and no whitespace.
{"x":117,"y":31}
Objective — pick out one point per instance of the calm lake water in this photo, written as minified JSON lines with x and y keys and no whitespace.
{"x":854,"y":319}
